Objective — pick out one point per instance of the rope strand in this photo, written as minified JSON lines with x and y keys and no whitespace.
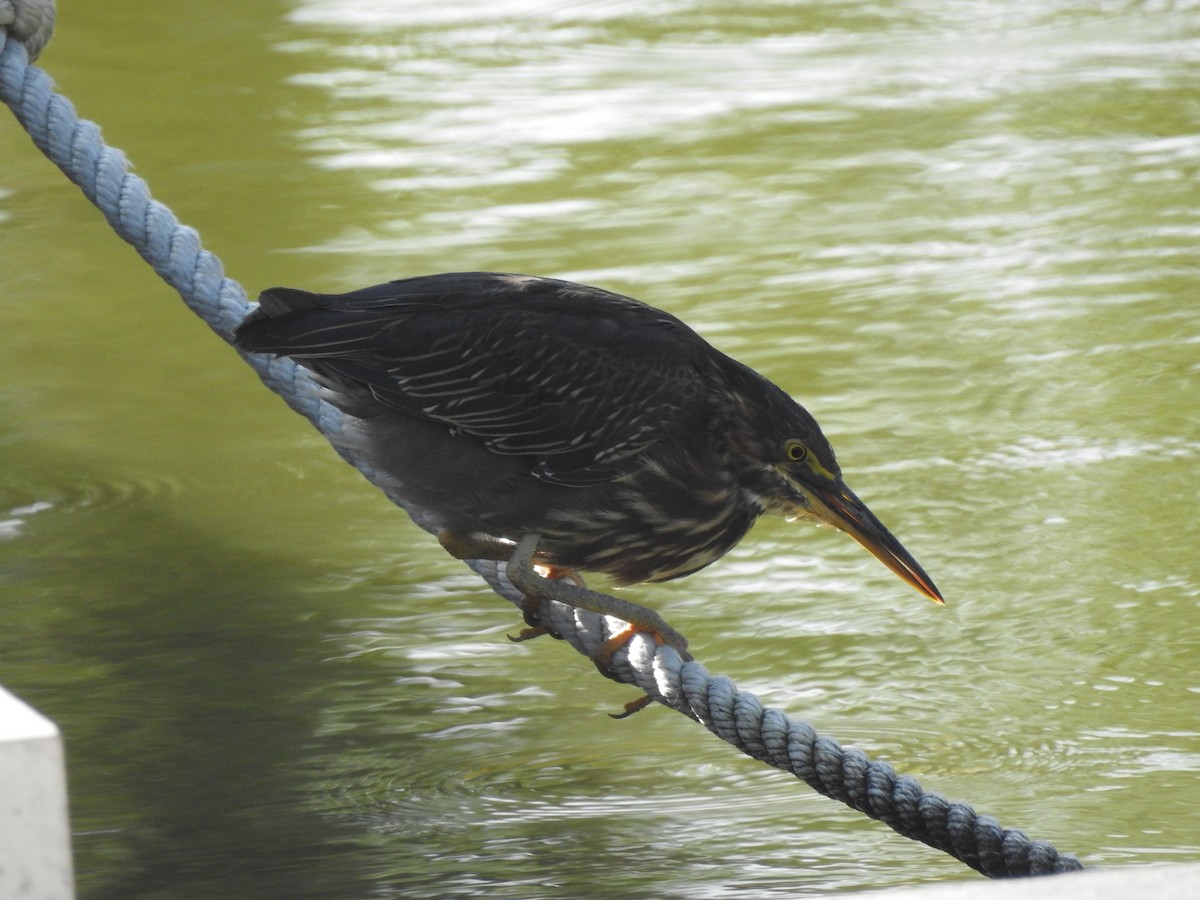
{"x":737,"y":717}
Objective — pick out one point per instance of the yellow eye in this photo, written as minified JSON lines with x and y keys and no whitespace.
{"x":795,"y":451}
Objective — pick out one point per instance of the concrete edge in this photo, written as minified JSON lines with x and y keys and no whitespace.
{"x":35,"y":830}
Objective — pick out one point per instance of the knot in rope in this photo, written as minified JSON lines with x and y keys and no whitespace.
{"x":29,"y":21}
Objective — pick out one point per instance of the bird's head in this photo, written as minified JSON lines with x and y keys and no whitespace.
{"x":798,"y":477}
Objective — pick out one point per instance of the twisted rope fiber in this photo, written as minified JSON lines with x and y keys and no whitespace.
{"x":738,"y":717}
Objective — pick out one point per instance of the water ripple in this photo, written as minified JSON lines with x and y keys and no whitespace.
{"x":1030,"y":452}
{"x":68,"y":492}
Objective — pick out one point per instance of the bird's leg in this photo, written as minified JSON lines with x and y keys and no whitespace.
{"x":474,"y":546}
{"x":480,"y":546}
{"x":530,"y":604}
{"x":521,"y":573}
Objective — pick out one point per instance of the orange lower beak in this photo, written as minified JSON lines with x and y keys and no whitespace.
{"x":841,"y":508}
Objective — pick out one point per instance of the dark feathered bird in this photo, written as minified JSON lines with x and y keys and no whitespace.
{"x":503,"y":406}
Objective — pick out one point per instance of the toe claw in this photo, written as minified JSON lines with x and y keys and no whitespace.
{"x":528,"y":634}
{"x":633,"y":706}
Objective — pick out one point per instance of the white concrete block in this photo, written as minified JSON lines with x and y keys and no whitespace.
{"x":1170,"y":882}
{"x":35,"y":833}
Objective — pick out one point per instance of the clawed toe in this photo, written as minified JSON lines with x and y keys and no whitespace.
{"x":633,"y":706}
{"x":528,"y":634}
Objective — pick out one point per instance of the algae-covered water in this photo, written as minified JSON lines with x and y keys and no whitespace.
{"x":963,"y":234}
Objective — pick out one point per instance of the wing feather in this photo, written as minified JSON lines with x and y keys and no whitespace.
{"x":582,"y":380}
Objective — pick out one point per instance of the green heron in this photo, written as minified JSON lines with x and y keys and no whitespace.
{"x":600,"y":432}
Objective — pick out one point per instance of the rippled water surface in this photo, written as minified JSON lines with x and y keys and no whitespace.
{"x":963,"y":234}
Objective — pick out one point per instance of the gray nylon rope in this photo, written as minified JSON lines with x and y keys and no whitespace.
{"x":735,"y":716}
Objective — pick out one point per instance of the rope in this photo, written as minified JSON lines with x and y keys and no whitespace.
{"x":735,"y":716}
{"x":29,"y":21}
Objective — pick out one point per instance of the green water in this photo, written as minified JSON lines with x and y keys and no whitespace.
{"x":964,"y":235}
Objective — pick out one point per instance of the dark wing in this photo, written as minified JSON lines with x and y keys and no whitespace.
{"x":579,"y":378}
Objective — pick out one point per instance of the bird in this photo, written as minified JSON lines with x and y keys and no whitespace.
{"x":596,"y":431}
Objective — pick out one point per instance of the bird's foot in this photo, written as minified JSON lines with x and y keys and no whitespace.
{"x":569,"y":589}
{"x":529,"y":605}
{"x":603,"y":657}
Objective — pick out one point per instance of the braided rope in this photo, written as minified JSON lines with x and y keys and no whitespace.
{"x":737,"y":717}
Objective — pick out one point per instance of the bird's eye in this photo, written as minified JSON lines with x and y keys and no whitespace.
{"x":795,"y":451}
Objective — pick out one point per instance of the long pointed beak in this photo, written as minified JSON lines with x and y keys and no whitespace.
{"x":840,"y":507}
